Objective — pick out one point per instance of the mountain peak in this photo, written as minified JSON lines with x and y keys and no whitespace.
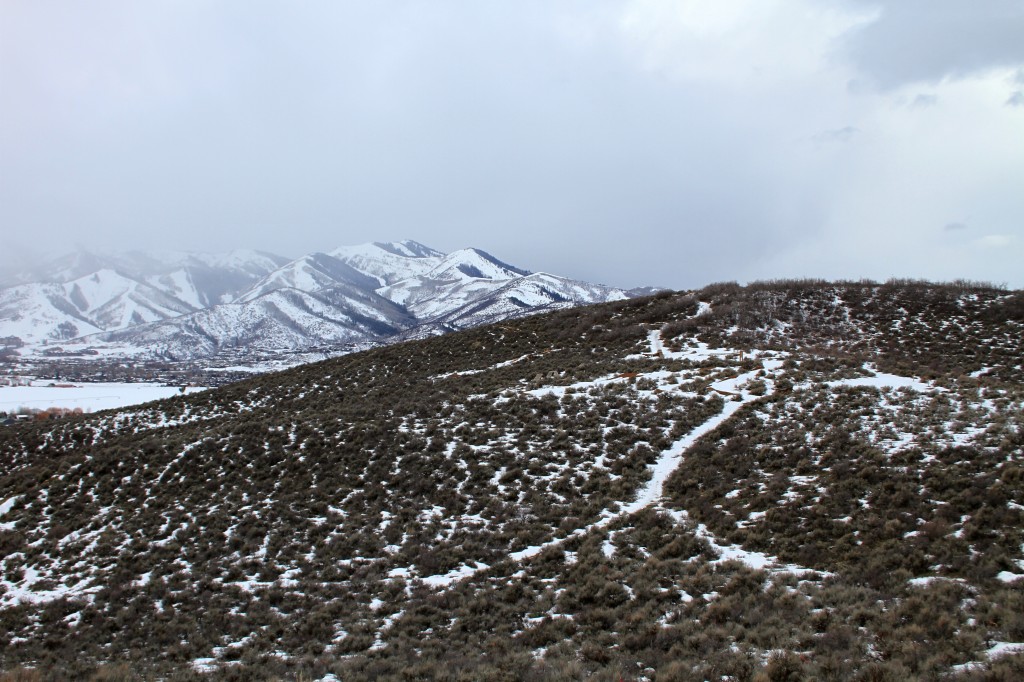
{"x":476,"y":264}
{"x":389,"y":262}
{"x":409,"y":249}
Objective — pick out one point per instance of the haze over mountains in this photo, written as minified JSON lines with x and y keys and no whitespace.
{"x":190,"y":305}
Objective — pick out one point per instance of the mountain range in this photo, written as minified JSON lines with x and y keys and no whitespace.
{"x":182,"y":306}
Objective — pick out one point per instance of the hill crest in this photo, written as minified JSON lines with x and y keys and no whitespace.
{"x":731,"y":481}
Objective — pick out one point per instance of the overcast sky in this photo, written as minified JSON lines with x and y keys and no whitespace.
{"x":658,"y":142}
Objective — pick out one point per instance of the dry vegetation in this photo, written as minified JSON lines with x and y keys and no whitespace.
{"x":313,"y":522}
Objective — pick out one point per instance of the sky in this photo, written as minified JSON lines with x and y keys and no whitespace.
{"x":642,"y":142}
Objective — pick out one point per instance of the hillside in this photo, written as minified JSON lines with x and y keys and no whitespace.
{"x":791,"y":480}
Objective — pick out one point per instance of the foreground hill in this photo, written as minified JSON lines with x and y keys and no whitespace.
{"x":789,"y":480}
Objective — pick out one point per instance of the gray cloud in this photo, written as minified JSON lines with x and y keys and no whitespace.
{"x":546,"y":133}
{"x":955,"y":226}
{"x":924,"y":101}
{"x":929,"y":40}
{"x":844,"y":134}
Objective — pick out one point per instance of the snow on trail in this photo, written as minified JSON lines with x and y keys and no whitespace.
{"x":698,"y":352}
{"x":673,"y":456}
{"x":883,"y":380}
{"x":453,"y":576}
{"x":652,"y":490}
{"x":651,"y":493}
{"x":6,"y":505}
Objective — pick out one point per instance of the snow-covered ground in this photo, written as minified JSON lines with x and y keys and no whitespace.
{"x":42,"y":395}
{"x":884,"y":380}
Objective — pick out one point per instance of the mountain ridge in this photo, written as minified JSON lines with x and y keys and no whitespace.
{"x":174,"y":307}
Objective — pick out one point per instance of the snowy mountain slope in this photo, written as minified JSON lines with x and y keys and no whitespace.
{"x":283,"y":319}
{"x":408,"y":248}
{"x":112,"y":301}
{"x":472,"y":279}
{"x":390,"y":262}
{"x":85,"y":292}
{"x":41,"y":312}
{"x":453,"y":291}
{"x":250,"y":261}
{"x":454,"y":281}
{"x":526,"y":295}
{"x":311,"y":274}
{"x":241,"y":265}
{"x":208,"y":279}
{"x":63,"y":269}
{"x":181,"y":284}
{"x":469,"y":264}
{"x":188,"y":304}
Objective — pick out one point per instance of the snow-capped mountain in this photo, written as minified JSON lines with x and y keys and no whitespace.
{"x":200,"y":279}
{"x":390,"y":262}
{"x":86,"y":293}
{"x":472,"y":264}
{"x":190,"y":305}
{"x":102,"y":300}
{"x":283,"y":319}
{"x":532,"y":293}
{"x":205,"y":279}
{"x":311,"y":273}
{"x":114,"y":301}
{"x":462,"y":279}
{"x":41,"y":311}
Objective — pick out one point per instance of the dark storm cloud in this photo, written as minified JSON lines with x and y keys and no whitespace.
{"x":928,"y":40}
